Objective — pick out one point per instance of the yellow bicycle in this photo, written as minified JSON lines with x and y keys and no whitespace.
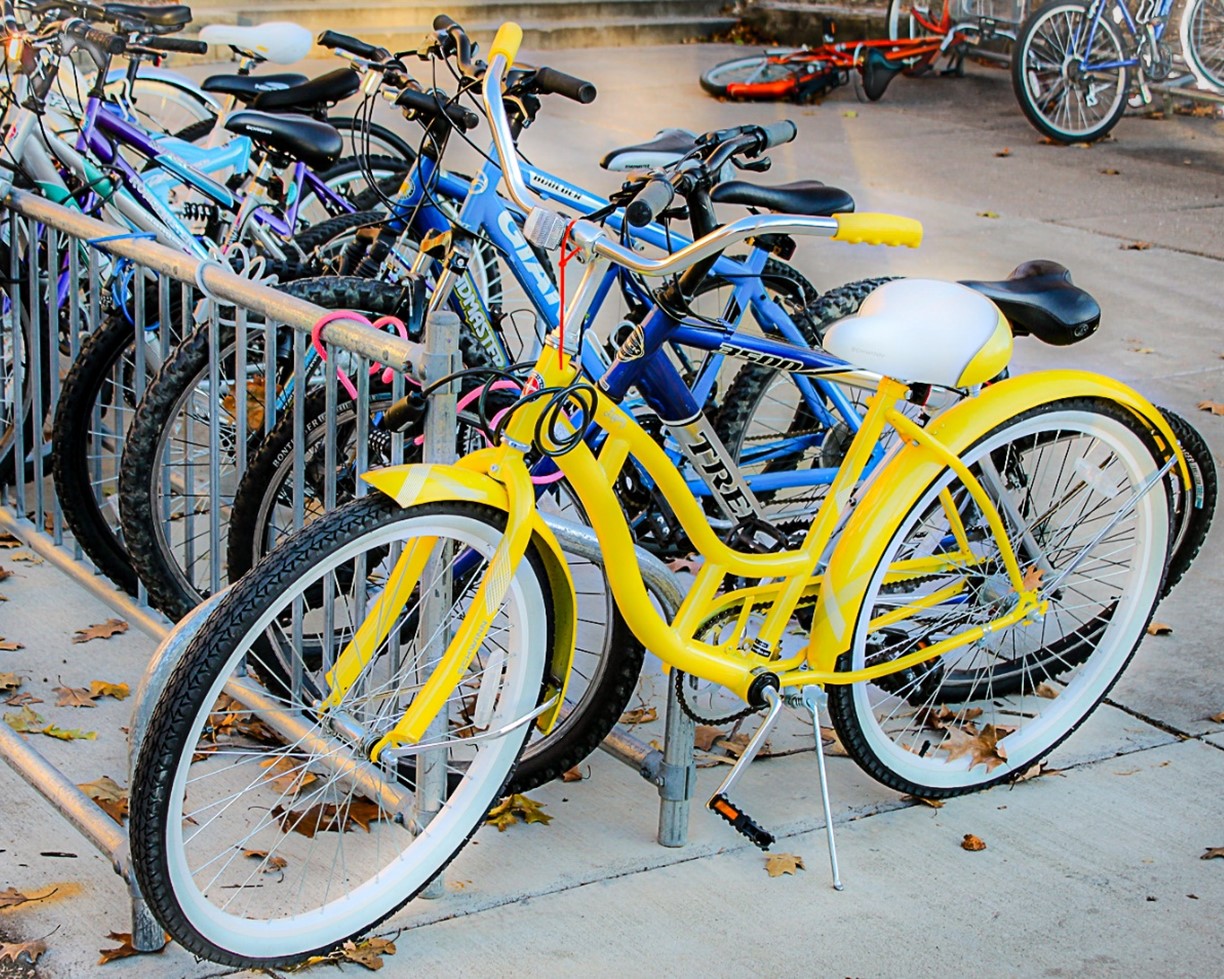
{"x":343,"y":721}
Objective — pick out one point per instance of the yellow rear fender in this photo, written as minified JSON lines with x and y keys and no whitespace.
{"x":896,"y":487}
{"x":414,"y":485}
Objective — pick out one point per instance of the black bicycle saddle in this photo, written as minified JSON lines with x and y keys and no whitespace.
{"x":246,"y":88}
{"x":152,"y":20}
{"x":312,"y":96}
{"x":801,"y":197}
{"x":666,"y":147}
{"x":1038,"y":298}
{"x":315,"y":143}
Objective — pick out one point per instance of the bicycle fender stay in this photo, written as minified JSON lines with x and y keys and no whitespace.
{"x":897,"y":486}
{"x":411,"y":485}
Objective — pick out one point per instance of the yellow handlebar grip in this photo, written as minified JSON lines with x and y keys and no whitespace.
{"x":878,"y":229}
{"x":509,"y":38}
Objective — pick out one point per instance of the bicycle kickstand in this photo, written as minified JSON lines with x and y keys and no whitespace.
{"x":814,"y":698}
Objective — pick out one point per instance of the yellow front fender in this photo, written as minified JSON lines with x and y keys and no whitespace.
{"x":416,"y":484}
{"x":895,"y":488}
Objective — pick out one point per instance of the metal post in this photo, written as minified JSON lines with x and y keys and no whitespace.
{"x":441,"y":359}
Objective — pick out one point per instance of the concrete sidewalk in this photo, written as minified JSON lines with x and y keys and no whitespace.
{"x":1094,"y":872}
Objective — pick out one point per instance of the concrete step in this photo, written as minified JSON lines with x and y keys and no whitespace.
{"x":545,"y":23}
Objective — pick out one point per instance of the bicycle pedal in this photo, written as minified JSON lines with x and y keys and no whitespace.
{"x":741,"y":822}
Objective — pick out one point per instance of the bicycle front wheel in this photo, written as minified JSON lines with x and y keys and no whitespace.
{"x":1068,"y":73}
{"x":759,"y":69}
{"x":1202,"y":41}
{"x":262,"y":831}
{"x":1089,"y":524}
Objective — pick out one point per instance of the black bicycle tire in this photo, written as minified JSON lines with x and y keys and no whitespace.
{"x":182,"y":699}
{"x":1193,"y":522}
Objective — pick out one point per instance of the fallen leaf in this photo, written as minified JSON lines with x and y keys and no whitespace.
{"x":1004,"y":152}
{"x":691,"y":564}
{"x":515,"y":807}
{"x":639,"y":715}
{"x":8,"y":540}
{"x":125,"y":948}
{"x":1212,"y":853}
{"x":31,"y":950}
{"x":777,"y":864}
{"x":1143,"y":350}
{"x":1218,"y":718}
{"x":1046,"y":691}
{"x":574,"y":775}
{"x":933,"y":803}
{"x":832,"y":743}
{"x":987,"y":214}
{"x":1032,"y":578}
{"x":24,"y":721}
{"x":1037,"y":770}
{"x":29,"y":557}
{"x":256,"y":394}
{"x":9,"y":681}
{"x":1136,"y":246}
{"x":287,"y":775}
{"x":1048,"y":141}
{"x":982,"y":746}
{"x":23,"y":698}
{"x":74,"y":697}
{"x":10,"y":897}
{"x":973,"y":843}
{"x":1110,"y":171}
{"x":69,"y":734}
{"x":109,"y":795}
{"x":326,"y":817}
{"x":367,"y":953}
{"x":101,"y":630}
{"x":103,"y":688}
{"x":1213,"y":406}
{"x":940,"y":719}
{"x":271,"y":864}
{"x":705,"y":736}
{"x":5,"y":573}
{"x":6,"y":644}
{"x":1159,"y":629}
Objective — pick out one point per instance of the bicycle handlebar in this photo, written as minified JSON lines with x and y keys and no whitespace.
{"x":172,"y":44}
{"x":426,"y":104}
{"x":345,"y":42}
{"x":655,"y":198}
{"x":100,"y":45}
{"x":777,"y":133}
{"x":549,"y":81}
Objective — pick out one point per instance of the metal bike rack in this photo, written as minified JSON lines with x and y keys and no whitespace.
{"x":78,"y":249}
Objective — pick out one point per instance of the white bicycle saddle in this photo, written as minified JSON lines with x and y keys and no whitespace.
{"x":280,"y":42}
{"x":925,"y":331}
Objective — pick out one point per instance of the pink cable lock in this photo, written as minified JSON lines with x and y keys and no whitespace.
{"x":316,"y":341}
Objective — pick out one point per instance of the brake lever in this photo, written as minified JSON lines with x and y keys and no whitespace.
{"x":759,"y":165}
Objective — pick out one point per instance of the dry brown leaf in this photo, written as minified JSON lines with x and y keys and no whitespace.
{"x":1213,"y":853}
{"x":1032,"y":578}
{"x":1217,"y":718}
{"x":29,"y":557}
{"x":5,"y":573}
{"x":271,"y":864}
{"x":1037,"y":770}
{"x":973,"y":843}
{"x":933,"y":803}
{"x":639,"y":715}
{"x":100,"y":630}
{"x":9,"y":681}
{"x":10,"y":646}
{"x":982,"y":746}
{"x":940,"y":719}
{"x":109,"y":795}
{"x":8,"y":540}
{"x":23,"y":698}
{"x":1004,"y":152}
{"x":574,"y":775}
{"x":705,"y":736}
{"x":104,"y":688}
{"x":832,"y":743}
{"x":31,"y":950}
{"x":1215,"y":407}
{"x":125,"y":948}
{"x":515,"y":807}
{"x":1110,"y":171}
{"x":74,"y":697}
{"x":10,"y":898}
{"x":1046,"y":691}
{"x":777,"y":864}
{"x":287,"y":775}
{"x":1159,"y":629}
{"x":1136,"y":246}
{"x":367,"y":953}
{"x":329,"y":818}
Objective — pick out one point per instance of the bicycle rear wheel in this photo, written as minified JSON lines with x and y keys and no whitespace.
{"x":1073,"y":481}
{"x":911,"y":19}
{"x":262,"y":831}
{"x":1060,"y":97}
{"x":1202,"y":41}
